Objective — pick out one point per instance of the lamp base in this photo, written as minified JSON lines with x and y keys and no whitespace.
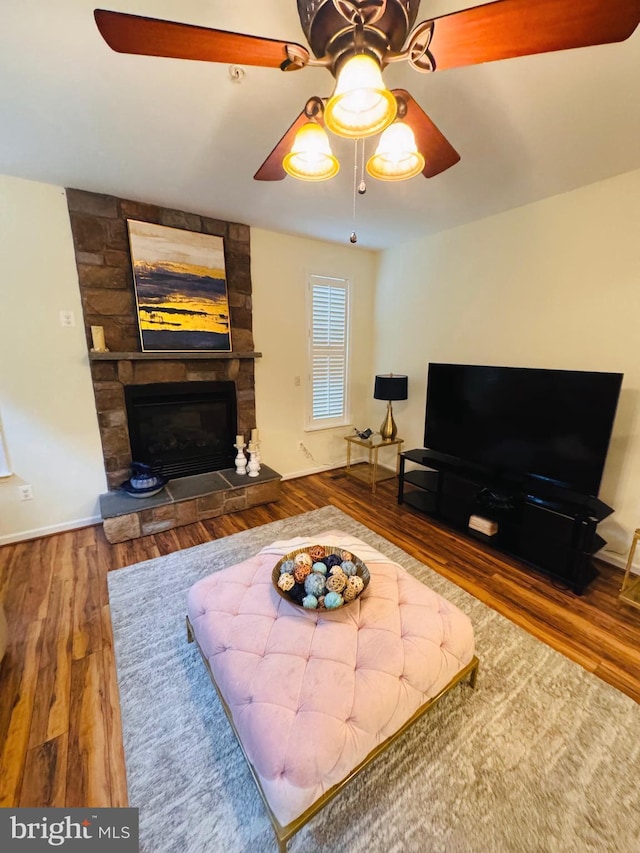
{"x":388,"y":428}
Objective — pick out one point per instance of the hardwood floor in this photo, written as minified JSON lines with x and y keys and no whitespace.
{"x":60,"y":736}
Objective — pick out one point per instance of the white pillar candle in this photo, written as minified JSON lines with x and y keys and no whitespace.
{"x":97,"y":336}
{"x":239,"y":439}
{"x":254,"y":435}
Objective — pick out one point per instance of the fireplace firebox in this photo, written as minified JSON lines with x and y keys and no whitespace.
{"x":182,"y":428}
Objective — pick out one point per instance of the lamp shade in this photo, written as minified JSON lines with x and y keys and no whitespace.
{"x":390,"y":387}
{"x":361,"y":105}
{"x":310,"y":158}
{"x":397,"y":157}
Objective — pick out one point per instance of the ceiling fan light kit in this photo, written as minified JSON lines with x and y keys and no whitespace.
{"x":355,"y":40}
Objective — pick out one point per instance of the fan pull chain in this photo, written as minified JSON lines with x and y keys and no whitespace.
{"x":359,"y":188}
{"x":354,"y":237}
{"x":362,"y":187}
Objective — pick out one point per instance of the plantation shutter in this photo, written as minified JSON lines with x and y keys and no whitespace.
{"x":328,"y":335}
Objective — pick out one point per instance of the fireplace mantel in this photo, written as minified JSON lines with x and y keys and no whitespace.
{"x":168,"y":356}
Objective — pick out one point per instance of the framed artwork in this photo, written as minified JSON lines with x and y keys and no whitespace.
{"x":181,"y":289}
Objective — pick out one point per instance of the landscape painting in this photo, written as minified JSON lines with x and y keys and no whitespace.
{"x":181,"y":289}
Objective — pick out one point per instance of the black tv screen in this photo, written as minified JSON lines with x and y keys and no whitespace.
{"x":550,"y":424}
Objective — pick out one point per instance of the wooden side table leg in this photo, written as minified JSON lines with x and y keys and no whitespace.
{"x":374,"y":476}
{"x":348,"y":457}
{"x":632,"y":552}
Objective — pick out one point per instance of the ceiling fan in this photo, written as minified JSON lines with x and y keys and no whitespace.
{"x":371,"y":34}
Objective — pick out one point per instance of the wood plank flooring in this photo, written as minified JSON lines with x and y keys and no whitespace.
{"x":60,"y":730}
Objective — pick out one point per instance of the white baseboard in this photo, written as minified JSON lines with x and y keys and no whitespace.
{"x":38,"y":532}
{"x":293,"y":475}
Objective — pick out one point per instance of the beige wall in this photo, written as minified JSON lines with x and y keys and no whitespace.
{"x":554,"y":284}
{"x":46,"y":399}
{"x":280,"y":267}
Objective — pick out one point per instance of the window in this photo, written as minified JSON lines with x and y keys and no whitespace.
{"x":328,"y":352}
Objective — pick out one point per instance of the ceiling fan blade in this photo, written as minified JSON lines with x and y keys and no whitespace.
{"x":152,"y":37}
{"x":437,"y":151}
{"x":272,"y":168}
{"x":509,"y":28}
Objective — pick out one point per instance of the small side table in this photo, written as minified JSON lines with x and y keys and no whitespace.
{"x":630,"y":592}
{"x":371,"y":474}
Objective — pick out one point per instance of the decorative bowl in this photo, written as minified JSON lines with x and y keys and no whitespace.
{"x":320,"y":577}
{"x":135,"y":491}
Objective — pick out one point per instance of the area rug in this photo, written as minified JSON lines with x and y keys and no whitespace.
{"x":542,"y":756}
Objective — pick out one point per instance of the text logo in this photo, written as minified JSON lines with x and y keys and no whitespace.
{"x":74,"y":830}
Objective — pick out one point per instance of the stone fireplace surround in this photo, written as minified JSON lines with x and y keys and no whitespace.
{"x":100,"y":238}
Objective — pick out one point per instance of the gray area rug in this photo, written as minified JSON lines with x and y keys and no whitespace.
{"x":542,"y":756}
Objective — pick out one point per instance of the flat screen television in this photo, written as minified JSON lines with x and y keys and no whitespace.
{"x":549,"y":424}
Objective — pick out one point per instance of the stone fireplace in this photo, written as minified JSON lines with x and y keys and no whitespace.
{"x":100,"y":237}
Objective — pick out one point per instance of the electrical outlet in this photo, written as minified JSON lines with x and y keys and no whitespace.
{"x":25,"y":492}
{"x":67,"y":319}
{"x":296,"y":381}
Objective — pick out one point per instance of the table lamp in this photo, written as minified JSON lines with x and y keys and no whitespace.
{"x":389,"y":387}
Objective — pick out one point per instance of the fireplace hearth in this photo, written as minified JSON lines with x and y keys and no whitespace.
{"x":182,"y":428}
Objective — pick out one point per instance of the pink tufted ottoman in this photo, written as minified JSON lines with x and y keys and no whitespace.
{"x":360,"y":675}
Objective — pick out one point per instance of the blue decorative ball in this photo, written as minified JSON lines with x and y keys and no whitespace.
{"x":310,"y":602}
{"x":319,"y":567}
{"x":314,"y":584}
{"x":348,"y":567}
{"x":333,"y":600}
{"x":332,"y":560}
{"x":287,"y":567}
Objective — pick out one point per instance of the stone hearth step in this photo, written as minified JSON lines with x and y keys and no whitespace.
{"x":186,"y":500}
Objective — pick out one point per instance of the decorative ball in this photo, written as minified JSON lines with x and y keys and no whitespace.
{"x":297,"y":593}
{"x":318,"y":552}
{"x":287,"y":567}
{"x":319,"y":567}
{"x":286,"y":582}
{"x":303,"y":559}
{"x":332,"y":560}
{"x":321,"y":601}
{"x":356,"y":583}
{"x":310,"y":602}
{"x":348,"y":567}
{"x":333,"y":600}
{"x":346,"y":555}
{"x":336,"y":570}
{"x":314,"y":584}
{"x":349,"y":593}
{"x":337,"y":582}
{"x":301,"y":572}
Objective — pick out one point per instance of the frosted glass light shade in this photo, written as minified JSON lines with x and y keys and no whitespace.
{"x":361,"y":104}
{"x":310,"y":158}
{"x":397,"y":157}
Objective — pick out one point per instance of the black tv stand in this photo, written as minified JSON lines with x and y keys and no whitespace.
{"x":546,"y":527}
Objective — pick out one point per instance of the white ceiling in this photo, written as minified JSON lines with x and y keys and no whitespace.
{"x":182,"y":134}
